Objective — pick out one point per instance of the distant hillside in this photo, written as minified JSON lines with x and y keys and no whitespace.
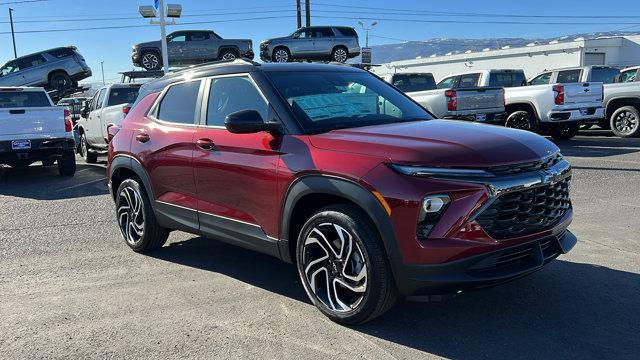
{"x":412,"y":49}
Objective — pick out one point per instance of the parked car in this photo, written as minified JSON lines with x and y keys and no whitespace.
{"x":188,"y":47}
{"x":54,"y":69}
{"x":629,"y":74}
{"x":369,"y":203}
{"x":453,"y":97}
{"x":107,"y":108}
{"x":33,"y":129}
{"x":591,"y":73}
{"x":622,"y":108}
{"x":335,"y":43}
{"x":554,"y":109}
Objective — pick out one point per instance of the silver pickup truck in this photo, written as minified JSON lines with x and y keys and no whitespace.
{"x":108,"y":107}
{"x":622,"y":108}
{"x":453,"y":98}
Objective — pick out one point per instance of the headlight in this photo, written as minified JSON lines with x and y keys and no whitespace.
{"x":431,"y":209}
{"x":440,"y":172}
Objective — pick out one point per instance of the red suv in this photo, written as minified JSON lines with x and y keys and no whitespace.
{"x":332,"y":169}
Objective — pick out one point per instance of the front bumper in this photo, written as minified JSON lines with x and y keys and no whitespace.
{"x":41,"y":149}
{"x":484,"y":270}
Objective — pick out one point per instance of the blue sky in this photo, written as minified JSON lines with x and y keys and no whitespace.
{"x":113,"y":46}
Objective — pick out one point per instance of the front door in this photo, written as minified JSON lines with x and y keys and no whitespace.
{"x":93,"y":131}
{"x":235,"y":174}
{"x":176,"y":47}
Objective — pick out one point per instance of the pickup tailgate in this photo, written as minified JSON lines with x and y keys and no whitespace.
{"x":579,"y":93}
{"x":26,"y":122}
{"x":471,"y":99}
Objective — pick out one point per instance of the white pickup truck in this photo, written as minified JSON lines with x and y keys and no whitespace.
{"x":107,"y":108}
{"x":455,"y":97}
{"x":33,"y":129}
{"x":554,"y":109}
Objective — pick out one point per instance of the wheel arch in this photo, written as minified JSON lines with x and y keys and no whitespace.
{"x":125,"y":166}
{"x":616,"y":103}
{"x":228,"y":47}
{"x":522,"y":106}
{"x":323,"y":190}
{"x":56,"y":71}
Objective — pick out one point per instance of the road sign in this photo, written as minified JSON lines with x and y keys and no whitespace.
{"x":366,"y":55}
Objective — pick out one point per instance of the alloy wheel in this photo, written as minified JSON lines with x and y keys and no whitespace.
{"x":519,"y":121}
{"x":150,"y":61}
{"x":340,"y":55}
{"x":131,"y":215}
{"x":334,"y":267}
{"x":281,"y":55}
{"x":229,"y":56}
{"x":626,"y":122}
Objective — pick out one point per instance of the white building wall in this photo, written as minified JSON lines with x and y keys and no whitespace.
{"x":533,"y":60}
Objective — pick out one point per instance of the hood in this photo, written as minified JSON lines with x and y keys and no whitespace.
{"x":441,"y":143}
{"x":148,"y":44}
{"x":277,"y":39}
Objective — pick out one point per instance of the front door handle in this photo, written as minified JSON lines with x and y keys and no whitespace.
{"x":143,"y":137}
{"x":205,"y":144}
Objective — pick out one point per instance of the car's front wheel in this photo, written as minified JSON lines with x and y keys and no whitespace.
{"x":343,"y":266}
{"x":151,"y":60}
{"x":340,"y":54}
{"x":281,"y":55}
{"x":137,"y":221}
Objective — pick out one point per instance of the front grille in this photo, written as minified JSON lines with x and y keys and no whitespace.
{"x":522,"y":168}
{"x":527,"y":211}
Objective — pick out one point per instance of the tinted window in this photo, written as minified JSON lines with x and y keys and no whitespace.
{"x":448,"y":83}
{"x":30,"y":61}
{"x":61,"y":53}
{"x":628,"y":76}
{"x":569,"y":76}
{"x":541,"y":79}
{"x":347,"y":31}
{"x":119,"y":96}
{"x":178,"y":38}
{"x":23,"y":99}
{"x":9,"y":68}
{"x":199,"y":36}
{"x":506,"y":79}
{"x":179,"y":103}
{"x":326,"y":100}
{"x":305,"y":33}
{"x":232,"y":94}
{"x":414,"y":82}
{"x":322,"y":32}
{"x":604,"y":75}
{"x":468,"y":80}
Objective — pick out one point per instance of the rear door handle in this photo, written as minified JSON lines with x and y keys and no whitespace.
{"x":143,"y":137}
{"x":205,"y":144}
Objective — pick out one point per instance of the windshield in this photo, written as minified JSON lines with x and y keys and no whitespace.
{"x":324,"y":101}
{"x":119,"y":96}
{"x":414,"y":82}
{"x":8,"y":69}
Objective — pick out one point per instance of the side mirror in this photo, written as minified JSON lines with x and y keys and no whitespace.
{"x":84,"y":110}
{"x":296,"y":35}
{"x":248,"y":122}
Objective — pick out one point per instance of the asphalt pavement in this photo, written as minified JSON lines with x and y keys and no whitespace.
{"x":71,"y":288}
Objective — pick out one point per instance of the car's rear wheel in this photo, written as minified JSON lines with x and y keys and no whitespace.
{"x":67,"y":163}
{"x":343,"y":266}
{"x":625,"y":122}
{"x":340,"y":54}
{"x":87,"y":155}
{"x":60,"y":80}
{"x":564,"y":132}
{"x":281,"y":55}
{"x":228,"y":54}
{"x":151,"y":60}
{"x":522,"y":120}
{"x":137,"y":222}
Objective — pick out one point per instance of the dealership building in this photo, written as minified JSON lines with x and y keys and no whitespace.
{"x":618,"y":51}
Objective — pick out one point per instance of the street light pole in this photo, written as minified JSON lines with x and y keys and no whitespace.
{"x":366,"y":30}
{"x":163,"y":37}
{"x":13,"y":35}
{"x":102,"y":66}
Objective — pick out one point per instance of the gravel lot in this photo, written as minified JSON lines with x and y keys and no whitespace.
{"x":70,"y":287}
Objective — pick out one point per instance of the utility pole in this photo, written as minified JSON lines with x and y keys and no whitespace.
{"x":299,"y":10}
{"x":13,"y":35}
{"x":172,"y":11}
{"x":366,"y":30}
{"x":163,"y":37}
{"x":307,"y":7}
{"x":102,"y":66}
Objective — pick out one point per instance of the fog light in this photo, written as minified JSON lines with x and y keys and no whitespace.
{"x":433,"y":207}
{"x":435,"y":203}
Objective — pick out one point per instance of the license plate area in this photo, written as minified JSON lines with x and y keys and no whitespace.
{"x":584,"y":111}
{"x":481,"y":117}
{"x":21,"y":144}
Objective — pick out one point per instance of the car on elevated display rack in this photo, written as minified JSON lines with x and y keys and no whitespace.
{"x":369,"y":201}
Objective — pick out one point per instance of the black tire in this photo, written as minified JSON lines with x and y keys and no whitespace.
{"x":523,"y":120}
{"x":340,"y":54}
{"x":48,"y":162}
{"x":60,"y":80}
{"x":151,"y":60}
{"x":281,"y":54}
{"x":88,"y":156}
{"x":379,"y":292}
{"x":131,"y":193}
{"x":625,"y":122}
{"x":228,"y":54}
{"x":564,"y":132}
{"x":67,"y":164}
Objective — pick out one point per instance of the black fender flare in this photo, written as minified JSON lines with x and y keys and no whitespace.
{"x":350,"y":190}
{"x":228,"y":47}
{"x":525,"y":103}
{"x":128,"y":162}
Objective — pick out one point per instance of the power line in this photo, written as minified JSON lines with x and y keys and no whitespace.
{"x":477,"y":22}
{"x":21,"y":2}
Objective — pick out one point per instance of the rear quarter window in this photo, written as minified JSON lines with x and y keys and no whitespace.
{"x":414,"y":82}
{"x":23,"y":99}
{"x":61,"y":53}
{"x":469,"y":80}
{"x":569,"y":76}
{"x":506,"y":79}
{"x":119,"y":96}
{"x":345,"y":31}
{"x":604,"y":75}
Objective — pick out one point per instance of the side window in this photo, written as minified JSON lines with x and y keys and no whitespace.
{"x":506,"y":79}
{"x":604,"y":75}
{"x":9,"y":68}
{"x":541,"y":79}
{"x":179,"y":103}
{"x":179,"y":37}
{"x":61,"y":53}
{"x":469,"y":80}
{"x":322,"y":32}
{"x":30,"y":61}
{"x":569,"y":76}
{"x":449,"y":83}
{"x":231,"y":94}
{"x":304,"y":33}
{"x":100,"y":100}
{"x":199,"y":36}
{"x":628,"y":76}
{"x":345,"y":31}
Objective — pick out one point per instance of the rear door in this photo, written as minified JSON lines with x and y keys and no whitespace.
{"x":304,"y":44}
{"x":93,"y":131}
{"x":176,"y":46}
{"x":235,"y":174}
{"x":32,"y":69}
{"x":324,"y":40}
